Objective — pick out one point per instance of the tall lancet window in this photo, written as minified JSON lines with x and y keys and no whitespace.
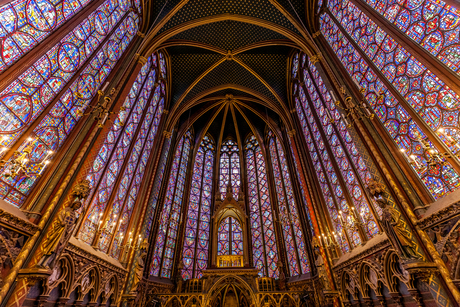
{"x":163,"y":254}
{"x":117,"y":172}
{"x":264,"y":248}
{"x":349,"y":194}
{"x":196,"y":243}
{"x":229,"y":237}
{"x":79,"y":63}
{"x":292,"y":230}
{"x":414,"y":104}
{"x":229,"y":168}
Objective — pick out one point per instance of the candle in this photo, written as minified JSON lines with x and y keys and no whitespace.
{"x":415,"y":160}
{"x":328,"y":114}
{"x":48,"y":154}
{"x":105,"y":86}
{"x":345,"y":120}
{"x":357,"y":83}
{"x":333,"y":96}
{"x":28,"y":141}
{"x":44,"y":166}
{"x":366,"y":110}
{"x":105,"y":118}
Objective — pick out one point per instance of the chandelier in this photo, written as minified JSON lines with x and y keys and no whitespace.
{"x":21,"y":162}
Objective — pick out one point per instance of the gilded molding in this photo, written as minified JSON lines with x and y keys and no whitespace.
{"x":17,"y":223}
{"x":439,"y":216}
{"x":384,"y":244}
{"x":93,"y":258}
{"x":316,"y":58}
{"x":142,"y":60}
{"x":167,"y":134}
{"x":316,"y":34}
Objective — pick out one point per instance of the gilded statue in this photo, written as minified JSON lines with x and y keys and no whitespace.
{"x":394,"y":228}
{"x":140,"y":263}
{"x":391,"y":223}
{"x":319,"y":263}
{"x":62,"y":227}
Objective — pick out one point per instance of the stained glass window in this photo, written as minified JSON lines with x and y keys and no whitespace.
{"x":110,"y":160}
{"x":312,"y":229}
{"x":334,"y":201}
{"x":163,"y":254}
{"x":196,"y":243}
{"x":432,"y":24}
{"x":24,"y":100}
{"x":23,"y":24}
{"x":320,"y":3}
{"x":157,"y":187}
{"x":130,"y":190}
{"x":425,"y":93}
{"x":289,"y":217}
{"x":264,"y":248}
{"x":325,"y":108}
{"x":230,"y":237}
{"x":229,"y":168}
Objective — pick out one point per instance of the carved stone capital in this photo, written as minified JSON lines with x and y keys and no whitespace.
{"x":376,"y":188}
{"x":316,"y":34}
{"x":368,"y":302}
{"x":167,"y":134}
{"x":142,"y":60}
{"x":382,"y":301}
{"x":81,"y":190}
{"x":316,"y":58}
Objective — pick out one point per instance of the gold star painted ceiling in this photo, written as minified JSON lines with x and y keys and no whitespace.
{"x":221,"y":48}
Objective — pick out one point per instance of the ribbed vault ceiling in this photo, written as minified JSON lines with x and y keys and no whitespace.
{"x":247,"y":59}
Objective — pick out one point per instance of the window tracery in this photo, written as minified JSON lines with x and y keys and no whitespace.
{"x":422,"y":91}
{"x":265,"y":253}
{"x":289,"y":217}
{"x":196,"y":242}
{"x":327,"y":106}
{"x":111,"y":157}
{"x":112,"y":26}
{"x":330,"y":130}
{"x":24,"y":24}
{"x":432,"y":24}
{"x":229,"y":168}
{"x":118,"y":170}
{"x":163,"y":255}
{"x":229,"y":237}
{"x":143,"y":108}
